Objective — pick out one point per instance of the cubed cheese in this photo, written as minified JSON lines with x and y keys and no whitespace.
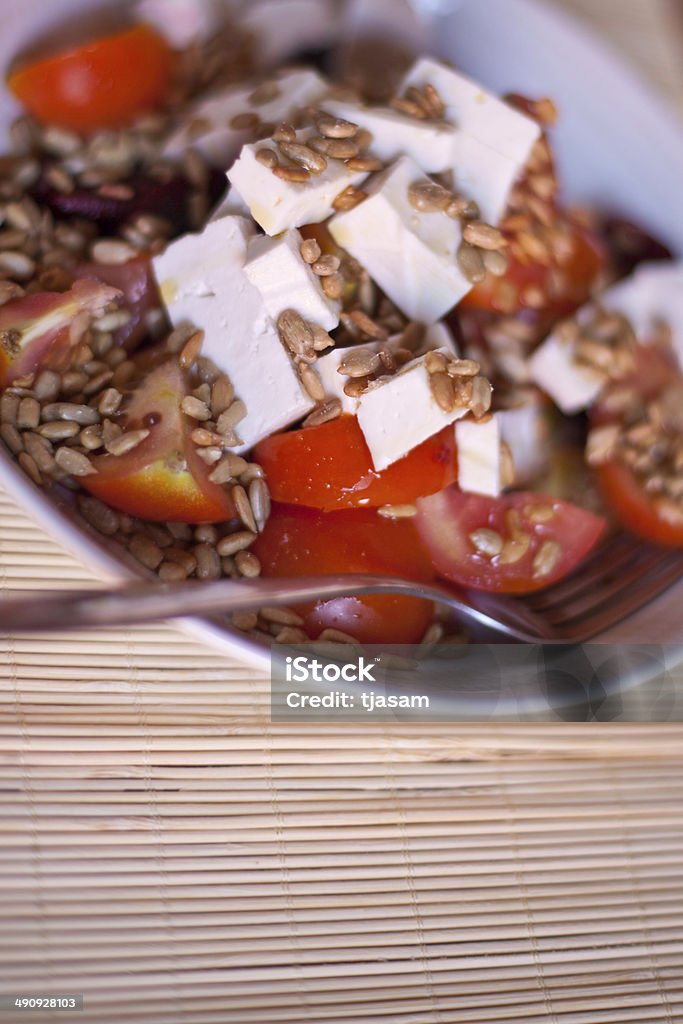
{"x":275,"y":266}
{"x":207,"y":126}
{"x":431,"y":145}
{"x":479,"y":460}
{"x":571,"y":387}
{"x":493,"y":141}
{"x":411,"y":255}
{"x":436,"y":336}
{"x":400,"y":413}
{"x":182,"y":22}
{"x":525,"y":428}
{"x":202,"y":281}
{"x":277,"y":204}
{"x":654,"y":292}
{"x":284,"y":28}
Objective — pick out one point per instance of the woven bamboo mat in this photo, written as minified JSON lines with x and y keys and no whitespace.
{"x":169,"y":853}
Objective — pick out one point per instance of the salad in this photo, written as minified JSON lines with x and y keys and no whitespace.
{"x":268,"y":314}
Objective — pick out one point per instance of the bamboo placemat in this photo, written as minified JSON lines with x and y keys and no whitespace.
{"x":171,"y":854}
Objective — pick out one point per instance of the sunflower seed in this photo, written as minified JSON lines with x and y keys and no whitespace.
{"x":546,"y":558}
{"x":112,"y":251}
{"x":397,"y":511}
{"x":12,"y":438}
{"x":235,"y":542}
{"x":29,"y":466}
{"x":311,"y":382}
{"x":602,"y":444}
{"x":471,"y":263}
{"x":147,"y":552}
{"x":99,"y":515}
{"x":297,"y":175}
{"x":483,"y":236}
{"x":310,"y":250}
{"x":233,"y":415}
{"x":28,"y":414}
{"x":480,"y":402}
{"x":488,"y":542}
{"x":247,"y":564}
{"x":305,"y":156}
{"x":441,"y":387}
{"x":294,"y":331}
{"x":329,"y":410}
{"x":463,"y":367}
{"x":195,"y":409}
{"x":259,"y":499}
{"x":243,"y":507}
{"x":18,"y":264}
{"x":59,"y":430}
{"x":82,"y":414}
{"x":326,"y":266}
{"x":427,"y":196}
{"x":336,"y":127}
{"x":349,"y":198}
{"x":126,"y":441}
{"x":73,"y":462}
{"x":267,"y":157}
{"x":333,"y":286}
{"x":359,"y":362}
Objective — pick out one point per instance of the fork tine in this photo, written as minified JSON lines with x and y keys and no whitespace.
{"x":612,"y":556}
{"x":604,"y":614}
{"x":615,"y":583}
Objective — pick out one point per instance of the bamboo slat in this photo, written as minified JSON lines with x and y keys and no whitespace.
{"x":172,"y":854}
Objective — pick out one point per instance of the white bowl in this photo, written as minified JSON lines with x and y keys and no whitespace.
{"x":618,"y":146}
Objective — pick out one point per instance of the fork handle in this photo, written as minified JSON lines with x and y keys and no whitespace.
{"x":151,"y":601}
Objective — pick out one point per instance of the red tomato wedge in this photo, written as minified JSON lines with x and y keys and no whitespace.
{"x":533,"y":540}
{"x":329,"y":467}
{"x":36,"y":326}
{"x":301,"y":542}
{"x":105,"y":83}
{"x":650,"y":515}
{"x":140,"y":294}
{"x":163,"y":478}
{"x":578,"y":269}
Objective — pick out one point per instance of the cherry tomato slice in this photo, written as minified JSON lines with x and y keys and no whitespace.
{"x":136,"y":281}
{"x":103,"y":84}
{"x":329,"y":467}
{"x":300,"y":542}
{"x":34,"y":328}
{"x":162,"y":478}
{"x":524,"y":541}
{"x":653,"y":516}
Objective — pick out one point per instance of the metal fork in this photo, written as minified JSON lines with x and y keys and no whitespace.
{"x":622,"y":576}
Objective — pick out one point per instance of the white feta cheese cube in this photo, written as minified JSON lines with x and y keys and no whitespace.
{"x":208,"y":127}
{"x":400,"y":413}
{"x":654,"y":292}
{"x":284,"y":28}
{"x":411,"y":255}
{"x":493,"y":140}
{"x":202,"y":281}
{"x":479,"y":458}
{"x":182,"y":22}
{"x":277,"y":204}
{"x":525,"y":428}
{"x":571,"y":387}
{"x":431,"y":145}
{"x":275,"y":266}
